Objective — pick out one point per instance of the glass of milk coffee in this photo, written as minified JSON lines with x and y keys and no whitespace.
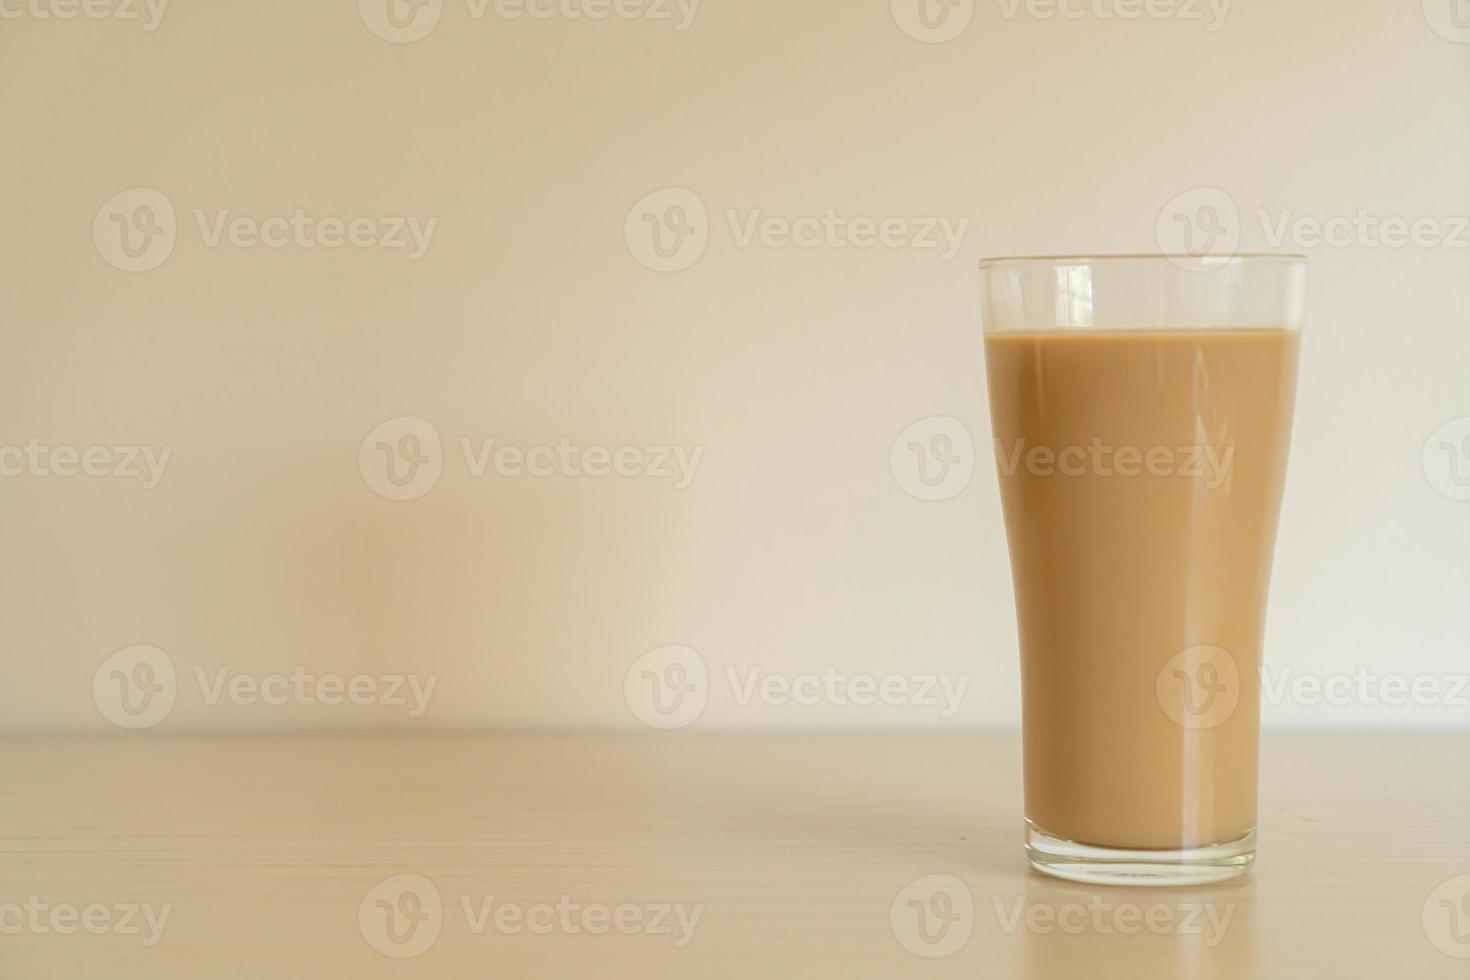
{"x":1141,"y":407}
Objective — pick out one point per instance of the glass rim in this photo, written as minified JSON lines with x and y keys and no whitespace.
{"x":1293,"y":258}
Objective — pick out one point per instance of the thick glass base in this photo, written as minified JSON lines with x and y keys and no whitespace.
{"x":1120,"y":866}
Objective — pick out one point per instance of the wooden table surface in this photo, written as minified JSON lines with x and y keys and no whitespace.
{"x":690,"y":856}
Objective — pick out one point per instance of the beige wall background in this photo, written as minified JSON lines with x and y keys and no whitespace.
{"x":267,"y":546}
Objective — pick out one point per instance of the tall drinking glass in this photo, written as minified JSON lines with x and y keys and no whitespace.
{"x":1141,"y":408}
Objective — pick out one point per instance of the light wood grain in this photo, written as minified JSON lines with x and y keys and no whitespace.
{"x":796,"y":847}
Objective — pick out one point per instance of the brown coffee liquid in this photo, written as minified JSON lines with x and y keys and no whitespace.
{"x":1141,"y":558}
